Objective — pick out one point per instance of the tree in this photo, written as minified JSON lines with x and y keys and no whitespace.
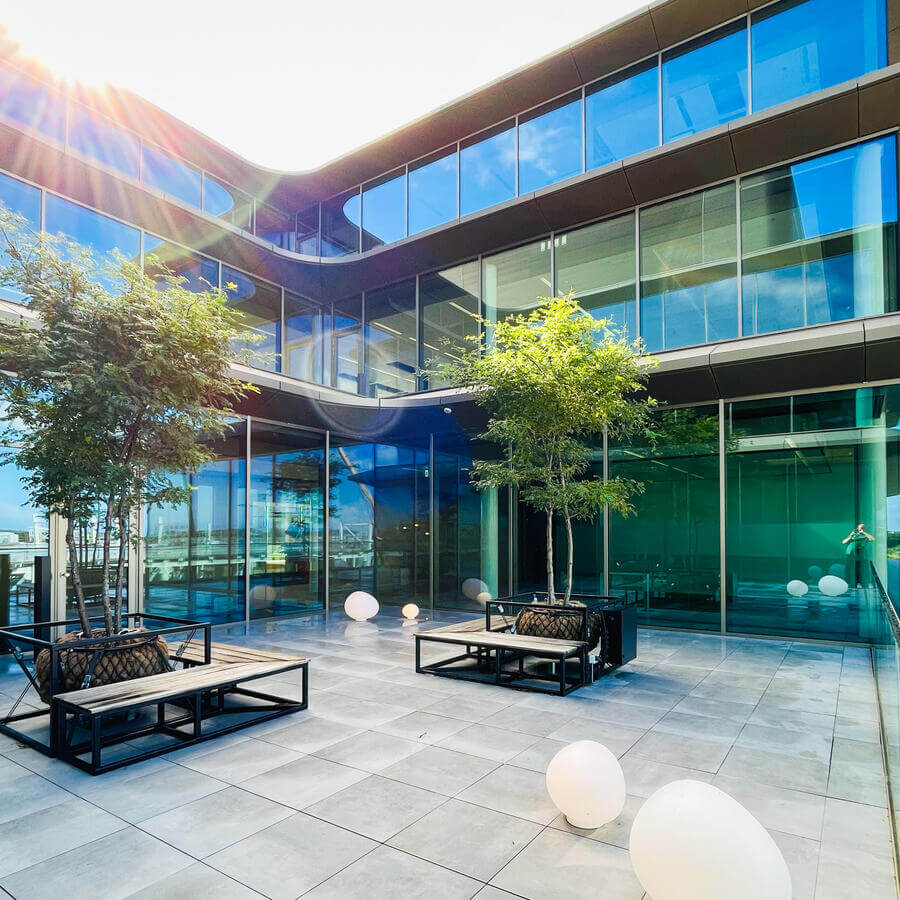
{"x":552,"y":380}
{"x":108,"y":388}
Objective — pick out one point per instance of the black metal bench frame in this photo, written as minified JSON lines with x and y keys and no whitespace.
{"x":194,"y":704}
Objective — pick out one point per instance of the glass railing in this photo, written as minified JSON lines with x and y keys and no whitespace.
{"x":886,"y":662}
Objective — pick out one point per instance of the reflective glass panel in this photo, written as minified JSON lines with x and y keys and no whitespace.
{"x":819,"y":239}
{"x":302,"y":338}
{"x":170,"y":175}
{"x":622,"y":115}
{"x":98,"y":233}
{"x":260,"y":302}
{"x":487,"y":171}
{"x":276,"y":226}
{"x":432,"y":192}
{"x":801,"y":47}
{"x":813,"y":514}
{"x":449,"y":304}
{"x":340,"y":225}
{"x":228,"y":203}
{"x":287,"y":472}
{"x":689,"y":270}
{"x":391,"y":339}
{"x":550,"y":146}
{"x":346,"y":344}
{"x":704,"y":82}
{"x":194,"y":553}
{"x":308,"y":231}
{"x":99,"y":139}
{"x":24,"y":200}
{"x":32,"y":104}
{"x":200,"y":272}
{"x":513,"y":281}
{"x":666,"y":555}
{"x":597,"y":263}
{"x":384,"y":212}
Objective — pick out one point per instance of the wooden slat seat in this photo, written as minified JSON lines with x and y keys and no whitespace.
{"x":192,"y":653}
{"x":497,"y":622}
{"x":551,"y":647}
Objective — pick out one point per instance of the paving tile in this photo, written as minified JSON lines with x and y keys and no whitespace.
{"x":441,"y":770}
{"x":707,"y":728}
{"x":719,"y":709}
{"x":291,"y":857}
{"x":211,"y":823}
{"x":467,"y":708}
{"x":424,"y":727}
{"x":359,"y":713}
{"x":113,"y":866}
{"x":371,"y":751}
{"x":802,"y":858}
{"x":644,"y":777}
{"x":198,"y":880}
{"x":470,"y":839}
{"x":28,"y":793}
{"x":497,"y":744}
{"x":616,"y":832}
{"x":240,"y":761}
{"x":850,"y":874}
{"x":312,"y":734}
{"x":515,"y":791}
{"x":558,"y":866}
{"x":675,"y":749}
{"x":376,"y":807}
{"x":777,"y":769}
{"x":303,"y":782}
{"x":802,"y":744}
{"x":537,"y":757}
{"x":528,"y":721}
{"x":856,"y":826}
{"x":619,"y":739}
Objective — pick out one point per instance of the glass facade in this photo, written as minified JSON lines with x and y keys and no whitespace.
{"x":513,"y":280}
{"x":228,"y":203}
{"x":171,"y":176}
{"x":260,"y":302}
{"x":200,"y":273}
{"x":391,"y":339}
{"x":433,"y":192}
{"x":384,"y":212}
{"x":346,"y":351}
{"x":689,"y":270}
{"x":487,"y":170}
{"x":819,"y":239}
{"x":341,"y":225}
{"x":24,"y":200}
{"x":99,"y":139}
{"x":303,"y":343}
{"x":597,"y":264}
{"x":550,"y":144}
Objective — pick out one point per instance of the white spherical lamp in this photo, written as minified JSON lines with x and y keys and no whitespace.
{"x":360,"y":605}
{"x":484,"y":596}
{"x":587,"y":784}
{"x":410,"y":611}
{"x":797,"y":588}
{"x":691,"y":841}
{"x":472,"y":587}
{"x":832,"y":586}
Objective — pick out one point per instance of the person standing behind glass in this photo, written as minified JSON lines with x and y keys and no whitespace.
{"x":857,"y":543}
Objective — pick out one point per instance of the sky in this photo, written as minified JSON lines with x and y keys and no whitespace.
{"x":291,"y":85}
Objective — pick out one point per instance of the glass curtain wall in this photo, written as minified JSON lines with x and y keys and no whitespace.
{"x":391,"y":339}
{"x":433,"y":191}
{"x":819,"y":239}
{"x":287,"y":548}
{"x":303,"y":341}
{"x":384,"y":211}
{"x":666,"y":555}
{"x":513,"y":280}
{"x":550,"y":144}
{"x":194,"y":553}
{"x":23,"y":200}
{"x":487,"y":169}
{"x":689,"y":270}
{"x":345,"y":354}
{"x":597,"y":264}
{"x":260,"y":302}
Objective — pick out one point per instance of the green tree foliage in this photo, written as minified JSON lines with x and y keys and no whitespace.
{"x":107,"y":386}
{"x":552,"y":380}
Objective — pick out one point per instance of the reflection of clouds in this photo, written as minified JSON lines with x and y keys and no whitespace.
{"x":539,"y":148}
{"x":488,"y":161}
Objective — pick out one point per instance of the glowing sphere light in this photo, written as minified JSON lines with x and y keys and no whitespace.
{"x":361,"y":606}
{"x":587,"y":784}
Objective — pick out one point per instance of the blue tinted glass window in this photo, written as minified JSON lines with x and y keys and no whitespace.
{"x":622,"y":116}
{"x":689,"y":270}
{"x":102,"y":141}
{"x":24,"y":200}
{"x":391,"y":342}
{"x":171,"y":176}
{"x":260,"y":302}
{"x":550,"y":147}
{"x":99,"y":234}
{"x":383,"y":212}
{"x":798,"y":48}
{"x":704,"y":83}
{"x":31,"y":104}
{"x":340,"y":225}
{"x":227,"y":203}
{"x":200,"y":273}
{"x":819,"y":239}
{"x":302,"y":338}
{"x":345,"y":352}
{"x":308,"y":231}
{"x":487,"y":172}
{"x":432,"y":193}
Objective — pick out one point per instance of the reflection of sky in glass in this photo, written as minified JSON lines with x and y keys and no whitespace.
{"x":432,"y":194}
{"x":550,"y":147}
{"x":383,"y":213}
{"x":100,"y":140}
{"x":16,"y":513}
{"x":200,"y":272}
{"x":705,"y":87}
{"x":31,"y":104}
{"x":24,"y":200}
{"x":622,"y":119}
{"x":217,"y":199}
{"x":814,"y":45}
{"x":171,"y":176}
{"x":487,"y":172}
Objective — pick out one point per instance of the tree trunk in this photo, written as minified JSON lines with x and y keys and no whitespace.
{"x":104,"y":581}
{"x":551,"y":593}
{"x":75,"y":566}
{"x":121,"y":519}
{"x":570,"y":562}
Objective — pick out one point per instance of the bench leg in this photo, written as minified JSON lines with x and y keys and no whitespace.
{"x":198,"y":710}
{"x":499,"y":655}
{"x":418,"y":654}
{"x":96,"y":722}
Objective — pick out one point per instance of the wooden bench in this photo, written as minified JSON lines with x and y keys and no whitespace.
{"x":487,"y":651}
{"x":196,"y":695}
{"x":193,"y":653}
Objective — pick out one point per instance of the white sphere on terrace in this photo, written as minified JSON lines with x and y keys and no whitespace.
{"x":797,"y":588}
{"x":360,"y":605}
{"x":586,"y":782}
{"x":484,"y":596}
{"x":410,"y":611}
{"x":832,"y":586}
{"x":691,"y":841}
{"x":472,"y":587}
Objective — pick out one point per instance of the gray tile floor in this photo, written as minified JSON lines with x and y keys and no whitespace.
{"x":394,"y":784}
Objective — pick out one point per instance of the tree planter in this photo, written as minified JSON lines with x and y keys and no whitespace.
{"x":93,"y":663}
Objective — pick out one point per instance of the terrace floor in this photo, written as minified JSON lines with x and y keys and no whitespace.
{"x":394,"y":784}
